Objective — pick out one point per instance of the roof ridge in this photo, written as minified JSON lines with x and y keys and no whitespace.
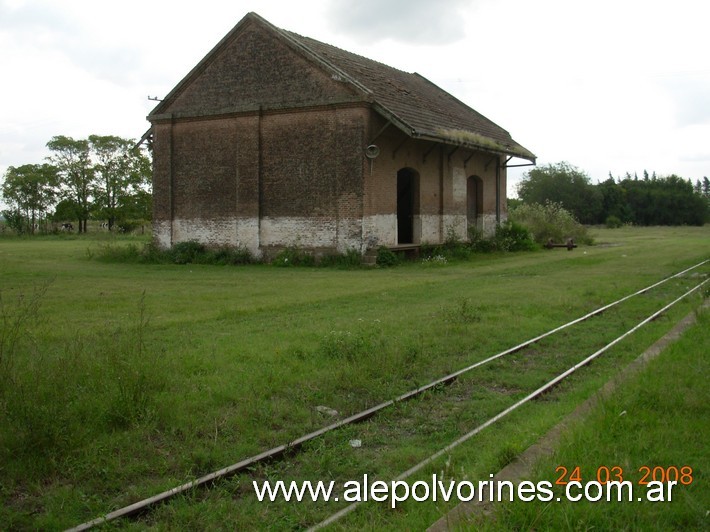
{"x":487,"y":135}
{"x":412,"y":102}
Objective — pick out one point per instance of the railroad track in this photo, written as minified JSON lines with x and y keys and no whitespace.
{"x":249,"y":463}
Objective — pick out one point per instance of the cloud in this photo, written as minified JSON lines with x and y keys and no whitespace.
{"x":691,"y":95}
{"x":32,"y":20}
{"x":41,"y":26}
{"x":410,"y":21}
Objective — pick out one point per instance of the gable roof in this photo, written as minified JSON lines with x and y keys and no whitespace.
{"x":415,"y":105}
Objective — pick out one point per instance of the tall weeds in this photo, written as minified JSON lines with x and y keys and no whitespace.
{"x":133,"y":374}
{"x":55,"y":396}
{"x":550,"y":221}
{"x":14,"y":321}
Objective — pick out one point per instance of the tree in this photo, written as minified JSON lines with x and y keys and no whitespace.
{"x":66,"y":210}
{"x":668,"y":200}
{"x":73,"y":161}
{"x":565,"y":184}
{"x":122,"y":173}
{"x":614,"y":201}
{"x":138,"y":206}
{"x":30,"y":188}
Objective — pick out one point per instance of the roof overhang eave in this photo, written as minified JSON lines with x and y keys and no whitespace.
{"x":146,"y":136}
{"x":410,"y":131}
{"x":397,"y":121}
{"x":512,"y":152}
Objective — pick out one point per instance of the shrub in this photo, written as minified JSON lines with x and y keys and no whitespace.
{"x":350,"y":259}
{"x":153,"y":254}
{"x":511,"y":236}
{"x":14,"y":220}
{"x":427,"y":250}
{"x":227,"y":255}
{"x":549,"y":221}
{"x":456,"y":250}
{"x":479,"y":243}
{"x":191,"y":252}
{"x":449,"y":250}
{"x":294,"y":256}
{"x":127,"y":226}
{"x":118,"y":253}
{"x":613,"y":222}
{"x":386,"y":257}
{"x":186,"y":252}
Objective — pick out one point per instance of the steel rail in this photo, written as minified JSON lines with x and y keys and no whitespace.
{"x":274,"y":452}
{"x":545,"y":387}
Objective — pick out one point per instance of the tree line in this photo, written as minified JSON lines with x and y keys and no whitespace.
{"x":102,"y":177}
{"x":649,"y":200}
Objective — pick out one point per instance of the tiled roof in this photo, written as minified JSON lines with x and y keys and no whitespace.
{"x":411,"y":102}
{"x":415,"y":104}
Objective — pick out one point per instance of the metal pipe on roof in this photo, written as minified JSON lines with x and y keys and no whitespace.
{"x":519,"y":165}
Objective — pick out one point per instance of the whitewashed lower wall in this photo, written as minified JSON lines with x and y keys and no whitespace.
{"x":162,"y":234}
{"x":456,"y":226}
{"x":379,"y":230}
{"x":235,"y":232}
{"x":343,"y":235}
{"x":427,"y":228}
{"x":255,"y":235}
{"x":488,"y":222}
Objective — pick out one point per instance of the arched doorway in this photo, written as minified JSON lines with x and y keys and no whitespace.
{"x":407,"y":204}
{"x":474,"y":203}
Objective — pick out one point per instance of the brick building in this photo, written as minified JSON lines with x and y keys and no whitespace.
{"x":275,"y":139}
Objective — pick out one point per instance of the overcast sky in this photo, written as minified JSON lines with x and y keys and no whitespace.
{"x":609,"y":86}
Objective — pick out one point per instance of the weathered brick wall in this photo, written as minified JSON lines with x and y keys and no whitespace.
{"x":443,"y":172}
{"x":205,"y":169}
{"x":483,"y":165}
{"x":264,"y":181}
{"x":161,"y":172}
{"x":312,"y":178}
{"x":256,"y":69}
{"x":262,"y":148}
{"x":236,"y":166}
{"x":310,"y":158}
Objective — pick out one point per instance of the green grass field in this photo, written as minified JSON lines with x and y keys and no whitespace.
{"x":654,"y":427}
{"x":121,"y":380}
